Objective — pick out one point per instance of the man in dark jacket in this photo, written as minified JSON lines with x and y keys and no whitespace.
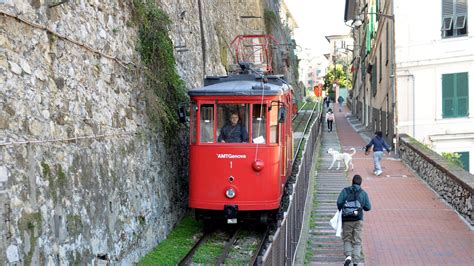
{"x":378,"y":144}
{"x":234,"y":131}
{"x":352,"y":228}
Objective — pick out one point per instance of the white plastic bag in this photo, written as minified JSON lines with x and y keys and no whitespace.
{"x":336,"y":223}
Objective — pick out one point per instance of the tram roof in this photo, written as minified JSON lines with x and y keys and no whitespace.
{"x":241,"y":85}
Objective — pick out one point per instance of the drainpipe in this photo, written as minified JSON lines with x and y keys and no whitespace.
{"x":393,"y":75}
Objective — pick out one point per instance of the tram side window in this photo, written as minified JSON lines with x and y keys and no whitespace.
{"x":274,"y":124}
{"x":233,"y":123}
{"x":258,"y":123}
{"x":193,"y":120}
{"x":207,"y":123}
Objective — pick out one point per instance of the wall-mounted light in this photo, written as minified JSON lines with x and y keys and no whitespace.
{"x":357,"y":21}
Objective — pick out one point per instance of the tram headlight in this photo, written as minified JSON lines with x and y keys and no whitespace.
{"x":257,"y":165}
{"x":230,"y":193}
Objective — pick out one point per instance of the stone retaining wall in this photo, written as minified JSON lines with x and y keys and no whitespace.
{"x":84,"y":177}
{"x":451,"y":182}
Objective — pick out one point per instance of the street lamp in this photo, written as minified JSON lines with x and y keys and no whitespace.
{"x":357,"y":21}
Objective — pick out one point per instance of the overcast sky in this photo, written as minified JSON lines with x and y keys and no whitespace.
{"x":316,"y":19}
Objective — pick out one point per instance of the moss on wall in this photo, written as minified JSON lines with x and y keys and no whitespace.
{"x":31,"y":224}
{"x":57,"y":180}
{"x":165,"y":87}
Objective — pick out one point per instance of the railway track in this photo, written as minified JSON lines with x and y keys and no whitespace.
{"x":240,"y":244}
{"x":302,"y":122}
{"x":237,"y":239}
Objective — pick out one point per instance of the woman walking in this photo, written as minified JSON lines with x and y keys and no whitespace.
{"x":329,"y":119}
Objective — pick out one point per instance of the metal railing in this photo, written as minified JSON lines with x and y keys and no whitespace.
{"x":283,"y":244}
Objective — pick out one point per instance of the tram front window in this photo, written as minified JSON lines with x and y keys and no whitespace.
{"x":232,"y":123}
{"x":258,"y":123}
{"x":207,"y":123}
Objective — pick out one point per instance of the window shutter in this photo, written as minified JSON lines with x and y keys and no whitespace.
{"x":448,"y":95}
{"x":447,"y":17}
{"x":464,"y":159}
{"x":462,"y":94}
{"x":460,"y":18}
{"x":377,"y":8}
{"x":373,"y":78}
{"x":448,"y":8}
{"x":380,"y":62}
{"x":461,"y":7}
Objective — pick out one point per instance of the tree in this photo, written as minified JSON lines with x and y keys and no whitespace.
{"x":336,"y":74}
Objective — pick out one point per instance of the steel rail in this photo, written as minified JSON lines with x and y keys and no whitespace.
{"x":228,"y":245}
{"x":306,"y":129}
{"x":294,"y":117}
{"x":254,"y":259}
{"x":186,"y":260}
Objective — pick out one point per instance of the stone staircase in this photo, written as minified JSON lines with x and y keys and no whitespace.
{"x":327,"y":249}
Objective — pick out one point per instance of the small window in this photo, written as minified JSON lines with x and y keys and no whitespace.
{"x":454,"y":18}
{"x":192,"y":124}
{"x":259,"y":123}
{"x":207,"y":123}
{"x":447,"y":23}
{"x":460,"y":22}
{"x":274,"y":124}
{"x":232,"y":123}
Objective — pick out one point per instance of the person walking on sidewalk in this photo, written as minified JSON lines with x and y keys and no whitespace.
{"x":340,"y":100}
{"x":378,"y":144}
{"x":352,"y":224}
{"x":329,"y":119}
{"x":327,"y":101}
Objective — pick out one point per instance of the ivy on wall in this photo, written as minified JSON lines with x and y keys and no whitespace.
{"x":165,"y":88}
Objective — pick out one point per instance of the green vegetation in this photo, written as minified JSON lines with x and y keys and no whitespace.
{"x":171,"y":250}
{"x":57,"y":182}
{"x":223,"y":47}
{"x":309,"y":106}
{"x":336,"y":74}
{"x":74,"y":224}
{"x":245,"y":248}
{"x":61,"y":176}
{"x":165,"y":89}
{"x":270,"y":19}
{"x":453,"y":158}
{"x":311,"y":98}
{"x":46,"y":170}
{"x":31,"y":223}
{"x":209,"y":251}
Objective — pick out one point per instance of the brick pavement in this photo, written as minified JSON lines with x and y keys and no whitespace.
{"x":409,"y":224}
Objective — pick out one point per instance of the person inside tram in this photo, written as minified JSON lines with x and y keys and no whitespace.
{"x":233,"y":131}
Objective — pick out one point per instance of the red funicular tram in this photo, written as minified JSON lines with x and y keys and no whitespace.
{"x":241,"y":144}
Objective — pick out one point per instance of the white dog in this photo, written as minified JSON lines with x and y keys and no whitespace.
{"x":345,"y":157}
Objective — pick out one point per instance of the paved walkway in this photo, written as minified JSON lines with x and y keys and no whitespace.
{"x":409,"y":224}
